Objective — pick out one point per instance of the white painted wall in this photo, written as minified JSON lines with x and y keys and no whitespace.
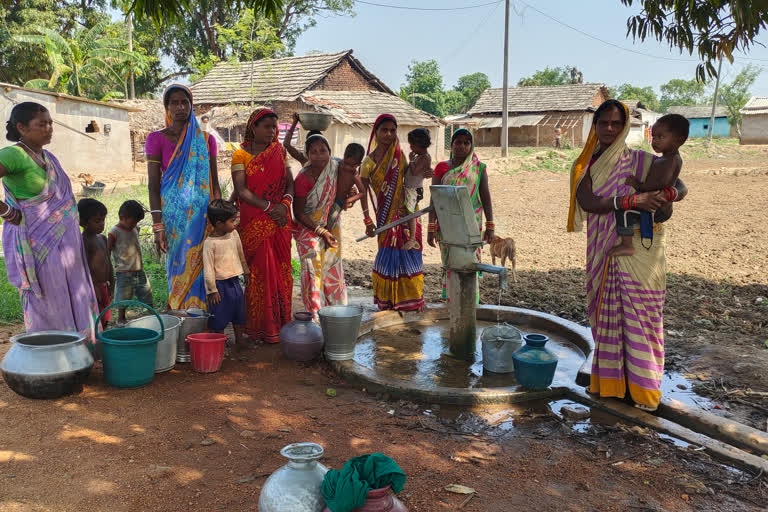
{"x":108,"y":154}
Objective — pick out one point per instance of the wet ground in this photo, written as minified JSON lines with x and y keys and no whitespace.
{"x":419,"y":352}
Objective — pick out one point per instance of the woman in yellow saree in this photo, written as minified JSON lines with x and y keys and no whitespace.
{"x":397,"y":275}
{"x":625,"y":295}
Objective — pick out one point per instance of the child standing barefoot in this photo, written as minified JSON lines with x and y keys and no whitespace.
{"x":669,"y":133}
{"x":223,"y":264}
{"x":417,"y":170}
{"x":123,"y":243}
{"x":92,"y":214}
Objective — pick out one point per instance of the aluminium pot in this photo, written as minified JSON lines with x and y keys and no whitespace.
{"x":193,"y":321}
{"x":47,"y":364}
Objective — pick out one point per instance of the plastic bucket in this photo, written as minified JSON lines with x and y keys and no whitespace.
{"x":340,"y":326}
{"x":207,"y":351}
{"x":166,"y":347}
{"x":129,"y":352}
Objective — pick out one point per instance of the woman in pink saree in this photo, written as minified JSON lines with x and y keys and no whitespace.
{"x":625,"y":295}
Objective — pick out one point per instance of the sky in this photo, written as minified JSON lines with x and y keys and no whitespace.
{"x":469,"y":40}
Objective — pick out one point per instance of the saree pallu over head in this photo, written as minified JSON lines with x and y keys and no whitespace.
{"x":267,"y":246}
{"x":398,"y":280}
{"x":322,"y":270}
{"x":46,"y":260}
{"x":185,"y":192}
{"x":625,"y":295}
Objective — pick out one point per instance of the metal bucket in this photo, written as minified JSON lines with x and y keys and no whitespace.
{"x":499,"y":343}
{"x":166,"y":347}
{"x":193,"y":321}
{"x":340,"y":328}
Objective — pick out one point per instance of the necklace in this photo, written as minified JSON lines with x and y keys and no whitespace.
{"x":40,"y":158}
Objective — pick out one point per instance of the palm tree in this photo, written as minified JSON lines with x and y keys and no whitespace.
{"x":86,"y":57}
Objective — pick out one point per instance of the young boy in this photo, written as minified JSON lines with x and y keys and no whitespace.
{"x":420,"y":163}
{"x":347,"y":178}
{"x":223,"y":264}
{"x":669,"y":133}
{"x":123,"y":244}
{"x":92,"y":214}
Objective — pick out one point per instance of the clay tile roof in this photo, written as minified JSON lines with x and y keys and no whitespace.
{"x":756,"y":105}
{"x":697,"y":111}
{"x":269,"y":80}
{"x":561,"y":98}
{"x":363,"y":107}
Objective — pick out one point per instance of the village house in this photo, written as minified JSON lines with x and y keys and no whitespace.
{"x":700,"y":117}
{"x":89,"y":136}
{"x":534,"y":112}
{"x":641,"y":121}
{"x":754,"y":121}
{"x":334,"y":83}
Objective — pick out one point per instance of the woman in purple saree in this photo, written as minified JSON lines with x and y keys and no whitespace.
{"x":44,"y":253}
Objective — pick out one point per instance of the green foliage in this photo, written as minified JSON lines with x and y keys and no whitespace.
{"x":646,"y":95}
{"x":711,"y":28}
{"x":734,"y":95}
{"x":424,"y":87}
{"x":165,"y":12}
{"x":295,"y":268}
{"x":10,"y":302}
{"x":553,"y":76}
{"x":681,"y":92}
{"x":219,"y":30}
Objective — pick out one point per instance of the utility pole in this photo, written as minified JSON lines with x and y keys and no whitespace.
{"x":714,"y":100}
{"x":132,"y":90}
{"x":504,"y":87}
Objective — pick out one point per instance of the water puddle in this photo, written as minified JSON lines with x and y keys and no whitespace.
{"x":419,"y":352}
{"x":675,"y":386}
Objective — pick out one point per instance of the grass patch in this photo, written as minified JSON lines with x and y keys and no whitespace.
{"x":10,"y":302}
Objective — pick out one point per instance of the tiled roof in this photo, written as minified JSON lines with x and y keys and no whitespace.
{"x":363,"y":107}
{"x":268,"y":80}
{"x":756,"y":105}
{"x":697,"y":111}
{"x":539,"y":99}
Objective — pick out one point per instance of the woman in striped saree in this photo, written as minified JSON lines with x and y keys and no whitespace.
{"x":625,"y":295}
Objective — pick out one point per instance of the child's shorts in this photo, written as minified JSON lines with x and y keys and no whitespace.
{"x":232,"y":305}
{"x":133,"y":284}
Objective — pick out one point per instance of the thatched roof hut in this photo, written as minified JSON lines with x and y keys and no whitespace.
{"x":148,"y":117}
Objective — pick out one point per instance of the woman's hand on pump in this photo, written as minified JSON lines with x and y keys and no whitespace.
{"x":431,"y":239}
{"x":370,"y":230}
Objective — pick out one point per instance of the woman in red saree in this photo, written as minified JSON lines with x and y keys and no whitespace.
{"x":264,"y":186}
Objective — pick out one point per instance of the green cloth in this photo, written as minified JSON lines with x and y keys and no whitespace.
{"x":24,"y":178}
{"x":347,"y":489}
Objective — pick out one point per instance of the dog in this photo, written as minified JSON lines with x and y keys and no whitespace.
{"x":504,"y":248}
{"x":87,"y":179}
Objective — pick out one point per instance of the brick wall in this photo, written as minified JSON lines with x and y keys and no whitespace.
{"x":345,"y":78}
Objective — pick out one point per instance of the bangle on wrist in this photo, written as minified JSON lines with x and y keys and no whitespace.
{"x":268,"y":207}
{"x":368,"y":221}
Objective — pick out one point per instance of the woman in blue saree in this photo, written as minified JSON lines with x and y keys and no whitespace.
{"x":183,"y":179}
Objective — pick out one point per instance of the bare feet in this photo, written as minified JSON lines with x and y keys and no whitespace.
{"x":411,"y":245}
{"x":646,"y":408}
{"x":423,"y":308}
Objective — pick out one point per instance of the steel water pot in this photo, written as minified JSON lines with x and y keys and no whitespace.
{"x":295,"y":487}
{"x":47,"y":364}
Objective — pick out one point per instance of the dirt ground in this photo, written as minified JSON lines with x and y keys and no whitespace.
{"x":108,"y":449}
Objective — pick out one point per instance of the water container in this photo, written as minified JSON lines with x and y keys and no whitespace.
{"x":340,"y":327}
{"x":499,"y":343}
{"x":295,"y":487}
{"x":535,"y":365}
{"x":302,"y":339}
{"x":166,"y":347}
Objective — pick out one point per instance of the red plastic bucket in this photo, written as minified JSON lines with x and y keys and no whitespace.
{"x":207,"y":351}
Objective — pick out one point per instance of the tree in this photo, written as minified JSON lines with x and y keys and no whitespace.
{"x":217,"y":30}
{"x":471,"y":87}
{"x":424,"y":86}
{"x":734,"y":95}
{"x":712,"y":28}
{"x":681,"y":92}
{"x":553,"y":76}
{"x":89,"y":56}
{"x":645,"y":95}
